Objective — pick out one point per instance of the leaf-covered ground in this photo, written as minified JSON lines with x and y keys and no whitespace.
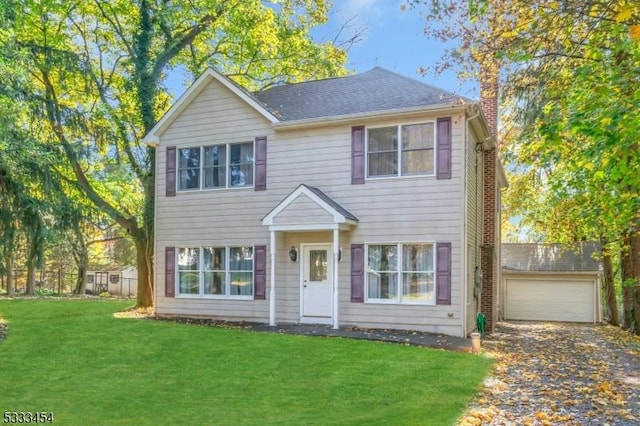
{"x":559,"y":374}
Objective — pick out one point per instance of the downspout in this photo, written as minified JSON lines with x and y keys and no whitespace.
{"x":477,"y":273}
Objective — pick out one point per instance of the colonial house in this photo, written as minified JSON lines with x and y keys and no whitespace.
{"x":351,"y":201}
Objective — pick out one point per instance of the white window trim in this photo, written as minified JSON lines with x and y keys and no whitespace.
{"x":201,"y":272}
{"x":399,"y":271}
{"x":227,"y":167}
{"x":399,"y":175}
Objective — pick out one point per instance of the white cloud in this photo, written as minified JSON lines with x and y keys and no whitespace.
{"x":365,"y":12}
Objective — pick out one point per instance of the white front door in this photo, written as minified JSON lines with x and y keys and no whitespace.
{"x":317,"y":283}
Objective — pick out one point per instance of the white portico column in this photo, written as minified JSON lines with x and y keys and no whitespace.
{"x":336,"y":251}
{"x":272,"y":291}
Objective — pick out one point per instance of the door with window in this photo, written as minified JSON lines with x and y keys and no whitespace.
{"x":317,"y":283}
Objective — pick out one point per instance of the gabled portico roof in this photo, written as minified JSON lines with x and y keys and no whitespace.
{"x":321,"y":213}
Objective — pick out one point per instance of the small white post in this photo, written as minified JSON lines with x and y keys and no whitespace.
{"x":272,"y":291}
{"x":336,"y":251}
{"x":475,"y":343}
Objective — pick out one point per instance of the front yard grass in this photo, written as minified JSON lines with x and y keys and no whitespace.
{"x":75,"y":359}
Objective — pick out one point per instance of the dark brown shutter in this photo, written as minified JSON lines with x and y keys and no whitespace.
{"x":169,"y":271}
{"x":443,"y":273}
{"x":357,"y":155}
{"x":171,"y":172}
{"x":443,"y":155}
{"x":259,"y":272}
{"x":261,"y":163}
{"x":357,"y":273}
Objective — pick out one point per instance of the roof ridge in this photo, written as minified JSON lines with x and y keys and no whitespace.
{"x":299,"y":83}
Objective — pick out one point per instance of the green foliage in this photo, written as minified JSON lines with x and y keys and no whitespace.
{"x":88,"y":79}
{"x":126,"y":370}
{"x":568,"y":73}
{"x":43,"y":291}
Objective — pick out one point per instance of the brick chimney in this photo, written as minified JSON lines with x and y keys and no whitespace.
{"x":490,"y":234}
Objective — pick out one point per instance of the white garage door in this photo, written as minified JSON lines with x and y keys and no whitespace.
{"x":550,"y":299}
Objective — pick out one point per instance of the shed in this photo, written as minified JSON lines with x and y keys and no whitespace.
{"x":551,"y":282}
{"x":117,"y":280}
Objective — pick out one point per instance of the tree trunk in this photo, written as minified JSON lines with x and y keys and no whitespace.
{"x":8,"y":264}
{"x":635,"y":288}
{"x":627,"y":277}
{"x":144,"y":262}
{"x":144,"y":241}
{"x":636,"y":310}
{"x":610,"y":289}
{"x":31,"y":279}
{"x":81,"y":256}
{"x":81,"y":280}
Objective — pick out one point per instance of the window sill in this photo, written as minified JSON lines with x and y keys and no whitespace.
{"x":396,"y":302}
{"x":231,"y":188}
{"x":213,"y":297}
{"x":374,"y":178}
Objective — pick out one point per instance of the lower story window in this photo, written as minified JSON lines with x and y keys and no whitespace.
{"x":401,"y":273}
{"x":215,"y":271}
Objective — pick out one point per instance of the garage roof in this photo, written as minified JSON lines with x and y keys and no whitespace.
{"x":550,"y":257}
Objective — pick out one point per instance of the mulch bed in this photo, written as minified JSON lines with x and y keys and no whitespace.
{"x":413,"y":338}
{"x":559,"y":374}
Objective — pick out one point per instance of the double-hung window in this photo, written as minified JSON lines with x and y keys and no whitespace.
{"x":216,"y":166}
{"x":405,"y":150}
{"x":401,"y":273}
{"x":215,"y":271}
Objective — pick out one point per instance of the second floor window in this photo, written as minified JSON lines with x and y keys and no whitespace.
{"x":216,"y":166}
{"x":405,"y":150}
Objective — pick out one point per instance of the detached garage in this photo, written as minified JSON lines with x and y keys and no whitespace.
{"x":547,"y":282}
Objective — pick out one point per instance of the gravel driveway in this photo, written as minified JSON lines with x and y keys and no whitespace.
{"x":559,"y":374}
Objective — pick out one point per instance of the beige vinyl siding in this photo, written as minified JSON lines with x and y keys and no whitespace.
{"x":302,"y":211}
{"x":473,"y":225}
{"x":406,"y":209}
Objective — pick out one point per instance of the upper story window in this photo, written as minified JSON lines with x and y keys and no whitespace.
{"x":405,"y":150}
{"x":216,"y":166}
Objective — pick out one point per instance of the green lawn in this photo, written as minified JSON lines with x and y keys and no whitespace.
{"x":75,"y":359}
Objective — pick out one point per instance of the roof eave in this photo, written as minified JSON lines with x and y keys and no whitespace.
{"x":347,"y":118}
{"x":479,"y":124}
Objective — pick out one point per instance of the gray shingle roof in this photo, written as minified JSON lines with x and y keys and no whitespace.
{"x":375,"y":90}
{"x":344,"y":212}
{"x":550,"y":257}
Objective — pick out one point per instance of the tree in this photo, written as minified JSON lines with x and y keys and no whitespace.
{"x":569,"y":88}
{"x":98,"y":71}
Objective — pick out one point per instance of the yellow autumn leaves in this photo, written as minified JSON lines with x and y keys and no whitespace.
{"x":628,"y":12}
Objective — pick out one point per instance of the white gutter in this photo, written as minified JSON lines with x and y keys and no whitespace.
{"x":345,"y":118}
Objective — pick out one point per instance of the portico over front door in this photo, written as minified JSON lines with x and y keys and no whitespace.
{"x":317,"y":284}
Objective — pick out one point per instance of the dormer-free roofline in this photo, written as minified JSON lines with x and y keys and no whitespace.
{"x":153,"y":137}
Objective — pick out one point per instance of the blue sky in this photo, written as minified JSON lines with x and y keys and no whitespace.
{"x":393,"y":39}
